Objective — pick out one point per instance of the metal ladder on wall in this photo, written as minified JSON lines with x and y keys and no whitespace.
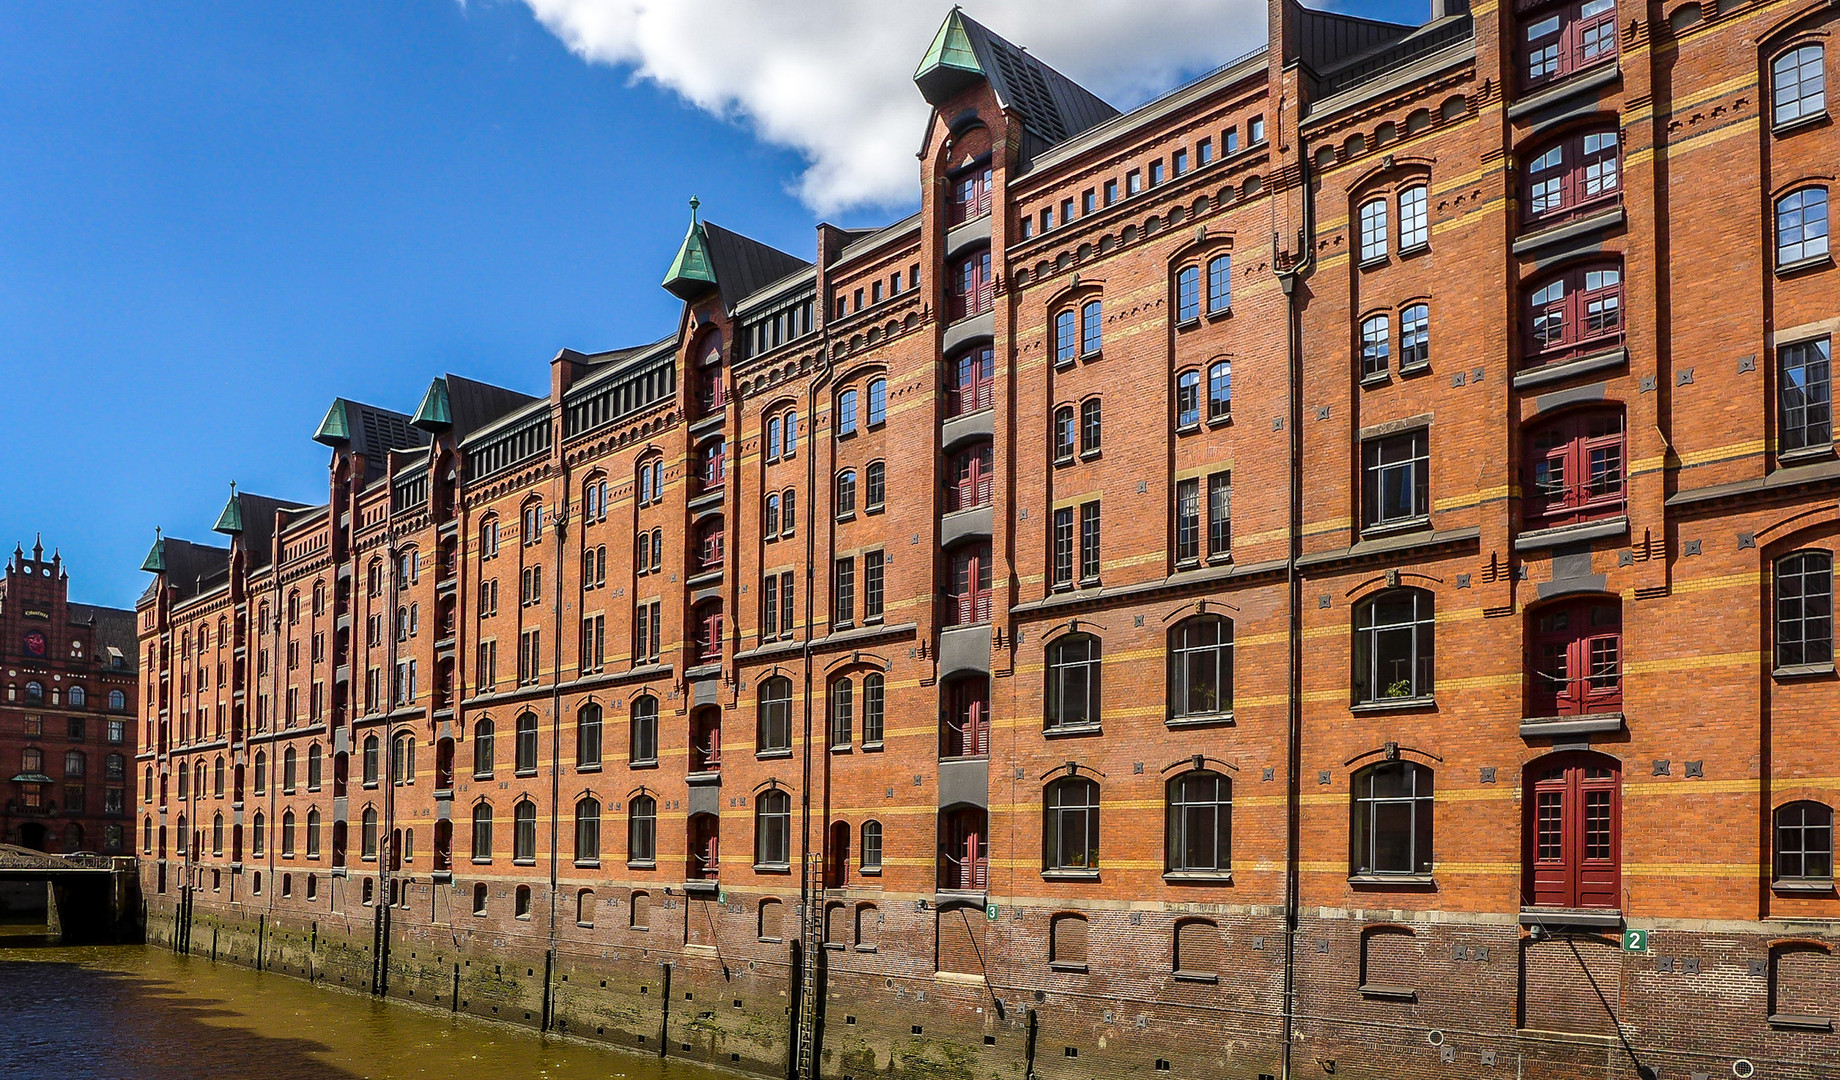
{"x":811,"y":940}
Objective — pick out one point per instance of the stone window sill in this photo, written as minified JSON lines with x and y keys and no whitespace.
{"x":772,"y":868}
{"x":1197,"y":977}
{"x":1801,"y":266}
{"x":763,"y":755}
{"x":1389,"y":993}
{"x":1378,"y":378}
{"x":1373,"y":262}
{"x":1384,"y":705}
{"x":1795,"y":1022}
{"x":1804,"y":886}
{"x":1199,"y":877}
{"x":1419,"y":248}
{"x":1070,"y":730}
{"x":1400,"y":881}
{"x":1803,"y":671}
{"x":641,"y":864}
{"x":594,"y":767}
{"x":1805,"y":454}
{"x":643,"y":763}
{"x":1199,"y":720}
{"x":1789,"y":127}
{"x":1421,"y":523}
{"x":1070,"y":875}
{"x":1066,"y":968}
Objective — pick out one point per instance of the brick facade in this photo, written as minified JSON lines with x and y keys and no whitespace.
{"x":1272,"y":576}
{"x":68,"y":715}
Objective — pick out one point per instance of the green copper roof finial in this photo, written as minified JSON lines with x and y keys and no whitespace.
{"x":692,"y":272}
{"x":435,"y":413}
{"x":155,"y":562}
{"x":230,"y":522}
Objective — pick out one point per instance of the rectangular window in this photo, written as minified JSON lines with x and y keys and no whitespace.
{"x":1179,"y":162}
{"x":1089,"y":542}
{"x":1204,"y":151}
{"x":769,"y":607}
{"x":1229,"y":141}
{"x":872,"y":586}
{"x":1220,"y":514}
{"x":1066,"y":211}
{"x":1373,"y":230}
{"x":1397,"y":488}
{"x":1111,"y":192}
{"x":1063,"y":547}
{"x":785,"y":604}
{"x":844,"y":596}
{"x":1255,"y":130}
{"x":1088,"y":201}
{"x":529,"y":657}
{"x":1156,"y":172}
{"x":1133,"y":182}
{"x":1047,"y":218}
{"x":1807,"y":395}
{"x":1028,"y":228}
{"x":1188,"y":521}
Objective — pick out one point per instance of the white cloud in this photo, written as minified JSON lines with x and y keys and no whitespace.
{"x":833,"y":79}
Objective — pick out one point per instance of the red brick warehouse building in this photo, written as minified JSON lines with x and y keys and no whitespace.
{"x":68,"y":716}
{"x":899,"y":604}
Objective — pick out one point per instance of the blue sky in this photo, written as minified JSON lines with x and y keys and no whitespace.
{"x":215,"y":217}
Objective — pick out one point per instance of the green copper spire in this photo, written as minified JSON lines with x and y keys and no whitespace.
{"x":434,"y":414}
{"x":691,"y":272}
{"x":951,"y":48}
{"x":335,"y":429}
{"x":230,"y":522}
{"x":155,"y":562}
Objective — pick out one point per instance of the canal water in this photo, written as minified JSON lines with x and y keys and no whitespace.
{"x":132,"y":1012}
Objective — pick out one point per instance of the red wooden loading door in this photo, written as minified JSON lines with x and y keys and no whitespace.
{"x":1576,"y":833}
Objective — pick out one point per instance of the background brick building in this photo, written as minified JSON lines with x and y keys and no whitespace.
{"x":1279,"y":580}
{"x":67,"y":721}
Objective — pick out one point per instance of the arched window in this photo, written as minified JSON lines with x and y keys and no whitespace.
{"x":75,"y":765}
{"x":35,"y":692}
{"x":1805,"y":609}
{"x":261,"y":784}
{"x":846,"y":413}
{"x":1414,"y":224}
{"x":973,"y":380}
{"x":1188,"y":400}
{"x":792,"y":433}
{"x":1567,"y":38}
{"x":1200,"y":827}
{"x":482,"y":832}
{"x":1576,"y":656}
{"x":641,"y":830}
{"x":774,"y":445}
{"x":1066,"y":433}
{"x":588,"y":832}
{"x":1091,"y":329}
{"x":367,"y":834}
{"x":1201,"y":668}
{"x":1805,"y":843}
{"x":1573,"y":825}
{"x":1220,"y":284}
{"x":1068,"y":939}
{"x":788,"y":516}
{"x":526,"y":743}
{"x":1414,"y":337}
{"x":1188,"y":294}
{"x":1574,"y":469}
{"x":643,"y":744}
{"x":1091,"y":426}
{"x":217,"y":834}
{"x":217,"y":787}
{"x":875,"y":486}
{"x":588,"y":736}
{"x":1579,"y":174}
{"x":972,"y":287}
{"x":871,"y":843}
{"x":775,"y":720}
{"x":1073,"y":681}
{"x":1798,"y":81}
{"x":287,"y":834}
{"x":1578,"y":311}
{"x":705,"y":834}
{"x":1376,"y":345}
{"x":1220,"y":390}
{"x":1801,"y":226}
{"x":712,"y":467}
{"x":972,"y":478}
{"x":118,"y":701}
{"x":773,"y":829}
{"x":313,"y":833}
{"x":846,"y":494}
{"x":843,"y":714}
{"x":965,"y":717}
{"x":314,"y":767}
{"x":289,"y":770}
{"x":488,"y":544}
{"x":584,"y":908}
{"x":874,"y":703}
{"x":1394,"y":646}
{"x":524,"y":832}
{"x":769,"y":518}
{"x":370,"y":760}
{"x":1066,"y":337}
{"x":483,"y":737}
{"x":1390,"y":828}
{"x":878,"y":402}
{"x":1070,"y":825}
{"x":78,"y":698}
{"x":1374,"y":230}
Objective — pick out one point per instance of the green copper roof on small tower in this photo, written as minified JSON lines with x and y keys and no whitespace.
{"x":335,"y":429}
{"x":434,"y":413}
{"x":951,"y":48}
{"x":155,"y":562}
{"x":692,"y":271}
{"x":230,"y":522}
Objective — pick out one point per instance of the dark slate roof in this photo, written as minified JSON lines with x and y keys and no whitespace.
{"x":368,"y":430}
{"x":743,"y":266}
{"x":472,"y":405}
{"x":192,"y":568}
{"x":1325,"y":38}
{"x":259,"y":525}
{"x":1052,"y":106}
{"x":114,"y":629}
